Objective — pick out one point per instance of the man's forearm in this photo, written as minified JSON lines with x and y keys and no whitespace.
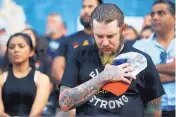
{"x":165,"y":78}
{"x":70,"y":98}
{"x":56,"y":76}
{"x":168,"y":68}
{"x":153,"y":108}
{"x":58,"y":67}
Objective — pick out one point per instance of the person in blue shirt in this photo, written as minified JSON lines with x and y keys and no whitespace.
{"x":55,"y":34}
{"x":160,"y":46}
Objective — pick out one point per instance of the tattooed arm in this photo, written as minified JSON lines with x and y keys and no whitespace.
{"x":71,"y":97}
{"x":153,"y":108}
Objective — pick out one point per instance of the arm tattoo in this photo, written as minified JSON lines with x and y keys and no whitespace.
{"x":72,"y":97}
{"x":153,"y":108}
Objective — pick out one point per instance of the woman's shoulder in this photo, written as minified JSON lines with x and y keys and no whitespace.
{"x":3,"y":77}
{"x":40,"y":77}
{"x":42,"y":81}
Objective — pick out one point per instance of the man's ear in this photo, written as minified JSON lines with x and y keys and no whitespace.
{"x":123,"y":28}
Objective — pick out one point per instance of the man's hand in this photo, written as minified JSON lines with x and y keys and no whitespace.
{"x":167,"y":72}
{"x":165,"y":78}
{"x":113,"y":73}
{"x":168,"y":68}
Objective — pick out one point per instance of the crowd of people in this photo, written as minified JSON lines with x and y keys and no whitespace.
{"x":108,"y":69}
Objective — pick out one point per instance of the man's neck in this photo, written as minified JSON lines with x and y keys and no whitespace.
{"x":55,"y":36}
{"x":164,"y":38}
{"x":88,"y":31}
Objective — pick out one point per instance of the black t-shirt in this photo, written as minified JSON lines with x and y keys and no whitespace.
{"x":53,"y":47}
{"x":42,"y":44}
{"x":130,"y":42}
{"x":85,"y":62}
{"x":73,"y":41}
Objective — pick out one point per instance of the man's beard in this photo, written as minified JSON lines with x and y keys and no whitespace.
{"x":86,"y":24}
{"x":51,"y":31}
{"x":108,"y":59}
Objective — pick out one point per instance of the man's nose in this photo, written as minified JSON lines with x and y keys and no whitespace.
{"x":155,"y":16}
{"x":105,"y":42}
{"x":86,"y":10}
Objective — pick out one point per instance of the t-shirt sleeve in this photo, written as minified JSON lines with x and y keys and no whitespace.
{"x":140,"y":45}
{"x":152,"y":88}
{"x":62,"y":51}
{"x":71,"y":72}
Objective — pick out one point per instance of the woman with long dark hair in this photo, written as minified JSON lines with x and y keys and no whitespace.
{"x":24,"y":91}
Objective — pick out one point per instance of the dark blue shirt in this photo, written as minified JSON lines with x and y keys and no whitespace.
{"x":53,"y":46}
{"x":73,"y":41}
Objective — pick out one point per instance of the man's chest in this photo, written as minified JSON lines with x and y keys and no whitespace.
{"x":159,"y":54}
{"x":79,"y":41}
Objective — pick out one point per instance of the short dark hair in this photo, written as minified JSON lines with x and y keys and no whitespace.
{"x":107,"y":13}
{"x":100,"y":1}
{"x":132,"y":28}
{"x":171,"y":5}
{"x":147,"y":28}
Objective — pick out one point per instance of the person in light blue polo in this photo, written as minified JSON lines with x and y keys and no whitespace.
{"x":160,"y":46}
